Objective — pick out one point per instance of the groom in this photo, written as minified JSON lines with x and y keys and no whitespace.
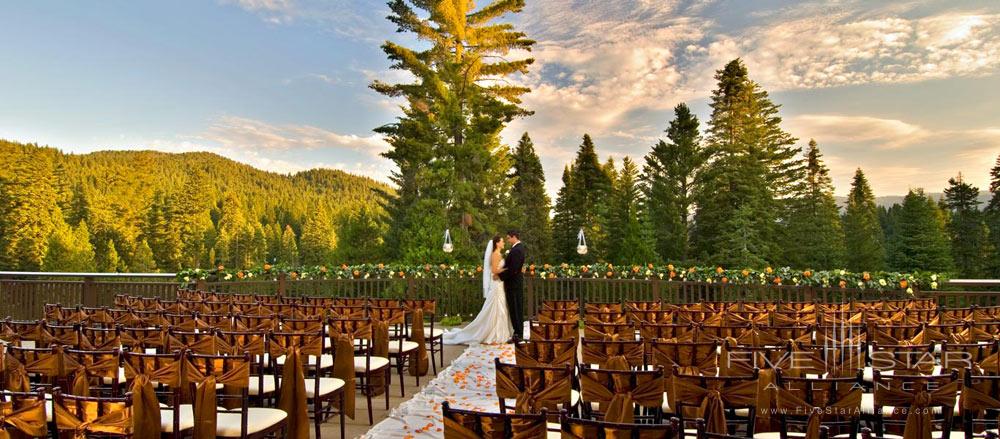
{"x":513,"y":282}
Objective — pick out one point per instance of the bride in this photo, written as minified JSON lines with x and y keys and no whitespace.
{"x":492,"y":325}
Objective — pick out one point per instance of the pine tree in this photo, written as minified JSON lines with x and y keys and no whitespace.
{"x":236,"y":244}
{"x":992,"y":218}
{"x":318,"y":239}
{"x":288,"y":250}
{"x":970,"y":246}
{"x":531,"y":205}
{"x":864,"y":237}
{"x":69,"y":249}
{"x":752,"y":164}
{"x":190,"y":218}
{"x":919,"y":238}
{"x":160,"y":232}
{"x":142,"y":259}
{"x":446,"y":146}
{"x":670,"y":177}
{"x":581,"y":204}
{"x":363,"y":230}
{"x":814,"y":235}
{"x":28,"y":208}
{"x":629,"y":241}
{"x":739,"y":247}
{"x":108,"y":260}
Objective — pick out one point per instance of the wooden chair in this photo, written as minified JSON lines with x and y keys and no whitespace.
{"x":263,"y":382}
{"x":644,"y":388}
{"x":737,"y":400}
{"x":586,"y":428}
{"x":554,"y":330}
{"x":980,"y":402}
{"x":837,"y":402}
{"x":371,"y":369}
{"x":535,"y":388}
{"x":469,"y":424}
{"x":27,"y":410}
{"x":234,"y":416}
{"x":434,"y":337}
{"x":400,"y":349}
{"x":176,"y":419}
{"x":92,"y":415}
{"x":900,"y":397}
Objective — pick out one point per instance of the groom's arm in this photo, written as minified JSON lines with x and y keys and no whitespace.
{"x":516,"y":260}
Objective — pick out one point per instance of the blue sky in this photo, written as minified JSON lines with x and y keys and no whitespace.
{"x":905,"y":90}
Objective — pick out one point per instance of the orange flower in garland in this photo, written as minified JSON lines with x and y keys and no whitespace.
{"x":427,"y":267}
{"x":401,"y":274}
{"x":777,"y":281}
{"x":294,"y":275}
{"x":635,"y":269}
{"x":381,"y":266}
{"x":610,"y":273}
{"x":670,"y":267}
{"x":843,"y":284}
{"x":267,"y":267}
{"x":479,"y":269}
{"x":745,"y":272}
{"x":221,"y":267}
{"x":552,"y":275}
{"x":866,"y":276}
{"x":903,"y":283}
{"x":725,"y":280}
{"x":807,"y":273}
{"x":343,"y":266}
{"x":322,"y":269}
{"x":357,"y":273}
{"x":673,"y":274}
{"x":769,"y":270}
{"x":719,"y":270}
{"x":240,"y":275}
{"x":584,"y":269}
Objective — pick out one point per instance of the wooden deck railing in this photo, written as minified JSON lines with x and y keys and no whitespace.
{"x":23,"y":294}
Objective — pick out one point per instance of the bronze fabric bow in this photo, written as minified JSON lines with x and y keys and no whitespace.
{"x":27,"y":420}
{"x":617,"y":398}
{"x":919,"y":416}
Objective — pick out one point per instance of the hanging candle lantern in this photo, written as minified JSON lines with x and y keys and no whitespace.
{"x":581,"y":243}
{"x":448,"y":246}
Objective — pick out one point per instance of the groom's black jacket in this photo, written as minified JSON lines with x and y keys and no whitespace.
{"x":513,"y":263}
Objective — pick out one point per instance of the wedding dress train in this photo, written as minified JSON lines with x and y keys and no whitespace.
{"x":491,"y":326}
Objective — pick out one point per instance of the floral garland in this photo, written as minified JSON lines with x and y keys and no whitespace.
{"x":669,"y":272}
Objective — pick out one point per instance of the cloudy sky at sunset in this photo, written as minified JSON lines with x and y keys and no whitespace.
{"x":906,"y":90}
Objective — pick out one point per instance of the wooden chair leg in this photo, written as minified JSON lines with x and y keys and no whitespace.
{"x":399,"y":370}
{"x":342,"y":402}
{"x":317,"y":414}
{"x":388,"y":373}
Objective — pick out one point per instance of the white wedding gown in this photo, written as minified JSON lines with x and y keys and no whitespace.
{"x":491,"y":326}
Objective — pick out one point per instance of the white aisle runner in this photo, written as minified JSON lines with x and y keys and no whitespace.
{"x":469,"y":383}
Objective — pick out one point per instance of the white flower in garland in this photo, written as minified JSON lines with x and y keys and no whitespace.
{"x":934,"y":278}
{"x":882,"y":282}
{"x":934,"y":285}
{"x":228,"y":276}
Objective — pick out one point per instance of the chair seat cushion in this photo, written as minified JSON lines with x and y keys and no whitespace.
{"x":437,"y":332}
{"x":257,"y":388}
{"x":167,"y":418}
{"x":258,"y":419}
{"x":405,"y":346}
{"x":376,"y":363}
{"x":868,"y":406}
{"x":326,"y":386}
{"x":326,"y":360}
{"x":121,"y":377}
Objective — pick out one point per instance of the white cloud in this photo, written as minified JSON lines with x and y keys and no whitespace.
{"x":243,"y":133}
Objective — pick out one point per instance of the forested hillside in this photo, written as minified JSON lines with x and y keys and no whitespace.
{"x":145,"y":210}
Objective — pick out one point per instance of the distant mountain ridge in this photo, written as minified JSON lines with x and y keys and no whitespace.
{"x":889,"y":200}
{"x":186,"y":206}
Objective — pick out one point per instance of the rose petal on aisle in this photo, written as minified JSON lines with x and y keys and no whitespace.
{"x":469,"y":383}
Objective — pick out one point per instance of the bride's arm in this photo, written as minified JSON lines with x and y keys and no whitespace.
{"x":495,"y":264}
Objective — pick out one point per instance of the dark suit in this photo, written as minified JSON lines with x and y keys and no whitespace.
{"x":513,"y":286}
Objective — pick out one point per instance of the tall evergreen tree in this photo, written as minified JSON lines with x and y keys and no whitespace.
{"x":970,"y":246}
{"x":288,"y":251}
{"x":69,"y":249}
{"x":531,"y":205}
{"x":160,"y":232}
{"x":28,"y":208}
{"x":814,"y":236}
{"x":318,"y":239}
{"x":670,"y":175}
{"x":142,"y":259}
{"x":919,"y":238}
{"x":236,"y":245}
{"x":864,"y":237}
{"x":629,"y":240}
{"x":581,"y":202}
{"x":363,"y":230}
{"x":108,"y":261}
{"x":752,"y":166}
{"x":447,"y":143}
{"x":992,"y":214}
